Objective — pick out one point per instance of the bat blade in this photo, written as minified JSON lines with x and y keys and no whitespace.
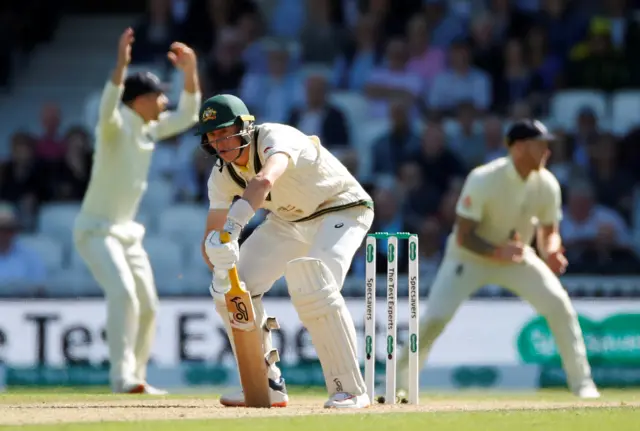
{"x":247,"y":337}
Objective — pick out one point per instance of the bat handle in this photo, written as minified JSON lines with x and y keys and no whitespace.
{"x":234,"y":278}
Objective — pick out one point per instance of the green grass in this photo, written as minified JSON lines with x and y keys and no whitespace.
{"x":618,"y":416}
{"x":565,"y":420}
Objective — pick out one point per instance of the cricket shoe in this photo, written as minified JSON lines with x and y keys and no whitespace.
{"x":344,"y":400}
{"x":587,"y":390}
{"x":277,"y":393}
{"x":139,"y":388}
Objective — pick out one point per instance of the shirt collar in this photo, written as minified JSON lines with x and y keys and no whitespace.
{"x":513,"y":173}
{"x":133,"y":117}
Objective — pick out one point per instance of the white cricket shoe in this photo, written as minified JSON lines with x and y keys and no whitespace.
{"x":344,"y":400}
{"x":587,"y":390}
{"x":277,"y":393}
{"x":151,"y":390}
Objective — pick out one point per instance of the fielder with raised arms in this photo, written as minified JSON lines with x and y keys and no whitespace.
{"x":319,"y":216}
{"x":105,"y":234}
{"x":501,"y":206}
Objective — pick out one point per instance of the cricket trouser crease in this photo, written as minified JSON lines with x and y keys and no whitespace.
{"x":261,"y":319}
{"x":322,"y":310}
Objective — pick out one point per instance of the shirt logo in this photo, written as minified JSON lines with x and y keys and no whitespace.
{"x":208,"y":114}
{"x":266,"y":150}
{"x":466,"y":202}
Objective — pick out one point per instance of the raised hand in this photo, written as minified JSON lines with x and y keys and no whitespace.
{"x":182,"y":56}
{"x":124,"y":47}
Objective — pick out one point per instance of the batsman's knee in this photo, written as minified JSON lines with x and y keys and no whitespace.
{"x":312,"y":287}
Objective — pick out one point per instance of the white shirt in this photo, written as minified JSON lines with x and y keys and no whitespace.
{"x":123,"y":150}
{"x":315,"y":179}
{"x":501,"y":201}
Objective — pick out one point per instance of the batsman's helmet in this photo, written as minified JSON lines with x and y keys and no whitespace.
{"x":220,"y":111}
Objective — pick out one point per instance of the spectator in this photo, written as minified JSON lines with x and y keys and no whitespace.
{"x":587,"y":226}
{"x":271,"y":97}
{"x":447,"y":206}
{"x":546,"y":65}
{"x":421,"y":197}
{"x":319,"y":117}
{"x":446,"y":26}
{"x":560,"y":163}
{"x":601,"y":67}
{"x":72,"y":173}
{"x":564,"y":23}
{"x":251,"y":31}
{"x":388,"y":200}
{"x":287,"y":18}
{"x":487,"y":54}
{"x":392,"y":80}
{"x":517,"y":81}
{"x":321,"y":39}
{"x":612,"y":183}
{"x":493,"y":139}
{"x":438,"y":163}
{"x":354,"y":66}
{"x":225,"y":69}
{"x":22,"y":271}
{"x":425,"y":60}
{"x":467,"y":141}
{"x":510,"y":22}
{"x":460,"y":82}
{"x":191,"y":181}
{"x":587,"y":131}
{"x":50,"y":146}
{"x":431,"y":245}
{"x":154,"y":33}
{"x":25,"y":178}
{"x":398,"y":143}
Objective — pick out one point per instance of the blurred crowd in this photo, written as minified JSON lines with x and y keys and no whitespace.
{"x":447,"y":75}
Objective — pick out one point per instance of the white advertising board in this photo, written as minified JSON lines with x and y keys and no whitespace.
{"x":482,"y":332}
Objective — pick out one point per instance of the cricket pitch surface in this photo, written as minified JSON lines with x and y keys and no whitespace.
{"x":77,"y":411}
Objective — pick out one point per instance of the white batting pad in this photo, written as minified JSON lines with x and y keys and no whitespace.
{"x":322,"y":310}
{"x":261,"y":318}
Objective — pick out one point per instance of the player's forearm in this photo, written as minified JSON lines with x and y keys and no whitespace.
{"x":472,"y":242}
{"x":549,"y":240}
{"x":118,"y":74}
{"x":257,"y":191}
{"x":191,"y":81}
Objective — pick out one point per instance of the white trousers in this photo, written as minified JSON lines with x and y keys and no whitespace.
{"x":333,"y":239}
{"x":123,"y":271}
{"x":532,"y":280}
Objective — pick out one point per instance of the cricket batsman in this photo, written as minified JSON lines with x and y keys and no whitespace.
{"x":502,"y":204}
{"x":319,"y":216}
{"x":105,"y":233}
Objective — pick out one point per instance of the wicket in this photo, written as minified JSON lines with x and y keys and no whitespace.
{"x":392,"y":299}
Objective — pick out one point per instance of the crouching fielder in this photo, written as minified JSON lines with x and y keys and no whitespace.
{"x":497,"y":213}
{"x":319,"y":216}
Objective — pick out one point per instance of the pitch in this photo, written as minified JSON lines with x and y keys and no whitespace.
{"x":459,"y":411}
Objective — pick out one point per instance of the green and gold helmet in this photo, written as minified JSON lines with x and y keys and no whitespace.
{"x":220,"y":111}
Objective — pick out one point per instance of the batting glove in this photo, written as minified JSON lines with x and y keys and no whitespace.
{"x":221,"y":256}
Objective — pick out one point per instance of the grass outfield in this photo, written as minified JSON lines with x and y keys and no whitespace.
{"x":79,"y":409}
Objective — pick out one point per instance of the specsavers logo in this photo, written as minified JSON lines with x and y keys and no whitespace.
{"x":612,"y":341}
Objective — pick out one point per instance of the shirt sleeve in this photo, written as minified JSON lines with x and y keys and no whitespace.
{"x":173,"y":123}
{"x":551,"y":212}
{"x":109,"y":119}
{"x":472,"y":198}
{"x":286,"y":140}
{"x":220,"y":194}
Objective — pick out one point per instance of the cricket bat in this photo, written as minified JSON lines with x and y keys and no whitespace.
{"x":247,"y":337}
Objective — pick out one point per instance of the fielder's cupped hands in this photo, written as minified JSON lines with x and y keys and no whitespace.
{"x":124,"y":47}
{"x":512,"y":251}
{"x":182,"y":56}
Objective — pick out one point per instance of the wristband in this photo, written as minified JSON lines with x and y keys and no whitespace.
{"x":241,"y":212}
